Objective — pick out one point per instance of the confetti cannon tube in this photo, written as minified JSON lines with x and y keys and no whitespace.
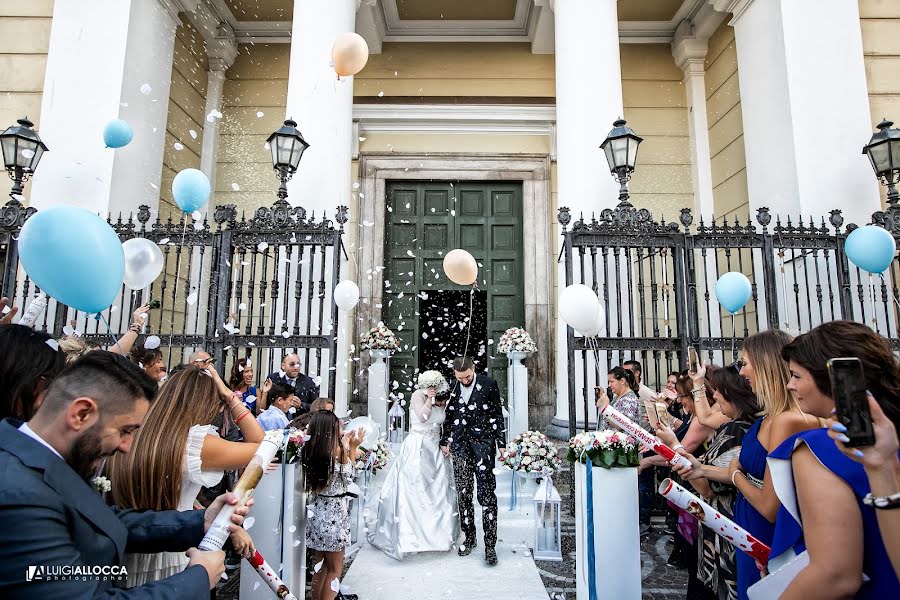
{"x":706,"y":514}
{"x":648,"y":440}
{"x":218,"y":533}
{"x":268,"y":574}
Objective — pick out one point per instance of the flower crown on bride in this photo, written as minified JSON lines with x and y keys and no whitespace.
{"x":432,"y":379}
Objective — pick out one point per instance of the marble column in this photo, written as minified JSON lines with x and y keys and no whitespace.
{"x":588,"y":100}
{"x":107,"y":59}
{"x":322,"y":105}
{"x":222,"y":51}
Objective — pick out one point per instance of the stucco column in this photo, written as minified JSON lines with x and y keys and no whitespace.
{"x":322,"y":105}
{"x":690,"y":56}
{"x":221,"y":50}
{"x":588,"y":100}
{"x":805,"y":107}
{"x":107,"y":59}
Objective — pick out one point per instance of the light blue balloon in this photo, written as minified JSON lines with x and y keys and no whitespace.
{"x":191,"y":190}
{"x":74,"y":256}
{"x":117,"y":133}
{"x":871,"y":248}
{"x":733,"y":291}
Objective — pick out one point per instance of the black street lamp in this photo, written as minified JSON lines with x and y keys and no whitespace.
{"x":22,"y":151}
{"x":621,"y":146}
{"x":883,"y":151}
{"x":287,"y":146}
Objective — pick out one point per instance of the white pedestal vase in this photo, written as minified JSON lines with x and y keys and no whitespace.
{"x":517,"y":386}
{"x":378,"y":387}
{"x":279,"y":513}
{"x":617,"y":545}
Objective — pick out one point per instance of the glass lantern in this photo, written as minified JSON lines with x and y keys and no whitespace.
{"x":547,"y":526}
{"x":396,"y":424}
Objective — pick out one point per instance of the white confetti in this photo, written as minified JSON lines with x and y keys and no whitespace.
{"x":248,"y":522}
{"x":235,"y":187}
{"x":163,"y":241}
{"x":196,"y":215}
{"x":146,"y":89}
{"x":262,"y":246}
{"x":193,"y":134}
{"x":178,"y":146}
{"x":53,"y":344}
{"x":213,"y":115}
{"x":242,"y":306}
{"x":336,"y":585}
{"x":260,"y":114}
{"x":380,"y":94}
{"x":318,"y":566}
{"x":152,"y":342}
{"x":192,"y":299}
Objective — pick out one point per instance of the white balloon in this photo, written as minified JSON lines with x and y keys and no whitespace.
{"x":143,"y":262}
{"x":599,"y":326}
{"x":369,"y":426}
{"x":346,"y":295}
{"x":578,"y":307}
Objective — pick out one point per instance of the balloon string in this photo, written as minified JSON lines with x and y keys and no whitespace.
{"x":109,"y":331}
{"x":177,"y":277}
{"x":471,"y":314}
{"x":874,"y":309}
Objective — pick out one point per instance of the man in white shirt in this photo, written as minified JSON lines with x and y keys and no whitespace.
{"x":281,"y":398}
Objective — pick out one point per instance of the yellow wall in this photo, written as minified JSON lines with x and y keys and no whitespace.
{"x":726,"y":128}
{"x":656,"y":109}
{"x":187,"y":106}
{"x":880,"y":23}
{"x":451,"y":69}
{"x":256,"y":83}
{"x":24,"y":41}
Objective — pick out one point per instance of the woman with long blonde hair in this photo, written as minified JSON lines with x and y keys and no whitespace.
{"x":757,"y":504}
{"x":176,"y":452}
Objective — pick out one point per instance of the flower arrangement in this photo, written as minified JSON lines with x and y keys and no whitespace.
{"x":380,"y":337}
{"x":380,"y":452}
{"x":432,"y":379}
{"x":101,"y":484}
{"x":531,"y":452}
{"x":296,"y":440}
{"x":608,"y":449}
{"x":516,"y":339}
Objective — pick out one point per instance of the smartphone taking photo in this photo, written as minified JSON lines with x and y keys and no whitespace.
{"x":693,"y":359}
{"x":848,"y":389}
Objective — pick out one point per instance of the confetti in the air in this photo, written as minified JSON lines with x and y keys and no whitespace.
{"x":146,"y":89}
{"x":152,"y":342}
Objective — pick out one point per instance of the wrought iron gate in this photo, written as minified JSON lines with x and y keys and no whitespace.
{"x":656,"y":281}
{"x":258,"y":287}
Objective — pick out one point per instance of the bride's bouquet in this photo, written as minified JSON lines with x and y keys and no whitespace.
{"x":608,"y":448}
{"x":378,"y":455}
{"x":530,"y":452}
{"x":516,"y":339}
{"x":380,"y":337}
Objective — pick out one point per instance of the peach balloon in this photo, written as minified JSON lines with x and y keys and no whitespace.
{"x":350,"y":53}
{"x":460,"y":267}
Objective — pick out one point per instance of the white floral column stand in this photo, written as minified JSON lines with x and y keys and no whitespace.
{"x":378,"y":387}
{"x":278,"y":531}
{"x":617,"y":546}
{"x":517,"y":385}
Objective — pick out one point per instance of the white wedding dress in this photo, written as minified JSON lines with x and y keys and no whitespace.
{"x":416,"y":510}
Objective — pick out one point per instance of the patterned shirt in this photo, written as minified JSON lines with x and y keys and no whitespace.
{"x":628,"y":404}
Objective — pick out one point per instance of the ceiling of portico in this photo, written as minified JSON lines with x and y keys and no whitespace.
{"x":640,"y":21}
{"x":456,"y":10}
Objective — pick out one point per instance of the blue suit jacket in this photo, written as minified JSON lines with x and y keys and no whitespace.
{"x":51,"y":516}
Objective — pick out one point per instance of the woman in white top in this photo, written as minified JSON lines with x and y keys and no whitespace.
{"x":175,"y":453}
{"x":416,"y":508}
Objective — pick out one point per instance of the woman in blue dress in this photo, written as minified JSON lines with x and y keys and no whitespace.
{"x":242,"y":381}
{"x":757,"y":504}
{"x":821,"y":489}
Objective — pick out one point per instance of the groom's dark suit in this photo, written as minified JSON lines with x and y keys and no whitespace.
{"x":474,"y":430}
{"x":51,"y":517}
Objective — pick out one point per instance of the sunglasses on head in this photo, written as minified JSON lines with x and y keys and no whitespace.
{"x":738,"y":365}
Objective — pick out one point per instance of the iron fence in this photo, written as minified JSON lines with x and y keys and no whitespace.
{"x":256,"y":287}
{"x":656,"y":282}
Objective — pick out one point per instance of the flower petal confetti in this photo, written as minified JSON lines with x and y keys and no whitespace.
{"x":152,"y":342}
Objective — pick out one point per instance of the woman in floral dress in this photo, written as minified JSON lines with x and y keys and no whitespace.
{"x":625,"y":399}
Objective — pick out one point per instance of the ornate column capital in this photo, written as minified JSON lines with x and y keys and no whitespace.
{"x":735,"y":7}
{"x":689,"y":50}
{"x":360,"y":3}
{"x":222,"y":50}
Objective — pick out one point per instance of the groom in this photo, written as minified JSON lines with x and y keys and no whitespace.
{"x":472,"y":432}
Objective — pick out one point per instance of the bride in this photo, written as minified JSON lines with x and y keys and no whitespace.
{"x":416,"y":508}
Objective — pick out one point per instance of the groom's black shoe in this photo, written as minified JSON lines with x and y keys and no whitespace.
{"x":490,"y":557}
{"x":467,"y":546}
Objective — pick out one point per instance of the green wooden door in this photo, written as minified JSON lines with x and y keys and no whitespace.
{"x":424,"y":221}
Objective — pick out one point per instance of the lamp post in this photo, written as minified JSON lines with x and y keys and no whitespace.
{"x":22,"y":151}
{"x":287,"y":146}
{"x":883,"y":151}
{"x":620,"y":147}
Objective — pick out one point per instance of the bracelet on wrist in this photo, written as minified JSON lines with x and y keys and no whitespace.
{"x":699,"y":390}
{"x":241,"y":416}
{"x":732,"y":477}
{"x":677,"y":447}
{"x":135,"y":328}
{"x":882,"y":502}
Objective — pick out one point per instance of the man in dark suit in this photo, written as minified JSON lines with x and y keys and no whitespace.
{"x":305,"y":389}
{"x":473,"y":431}
{"x":54,"y":520}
